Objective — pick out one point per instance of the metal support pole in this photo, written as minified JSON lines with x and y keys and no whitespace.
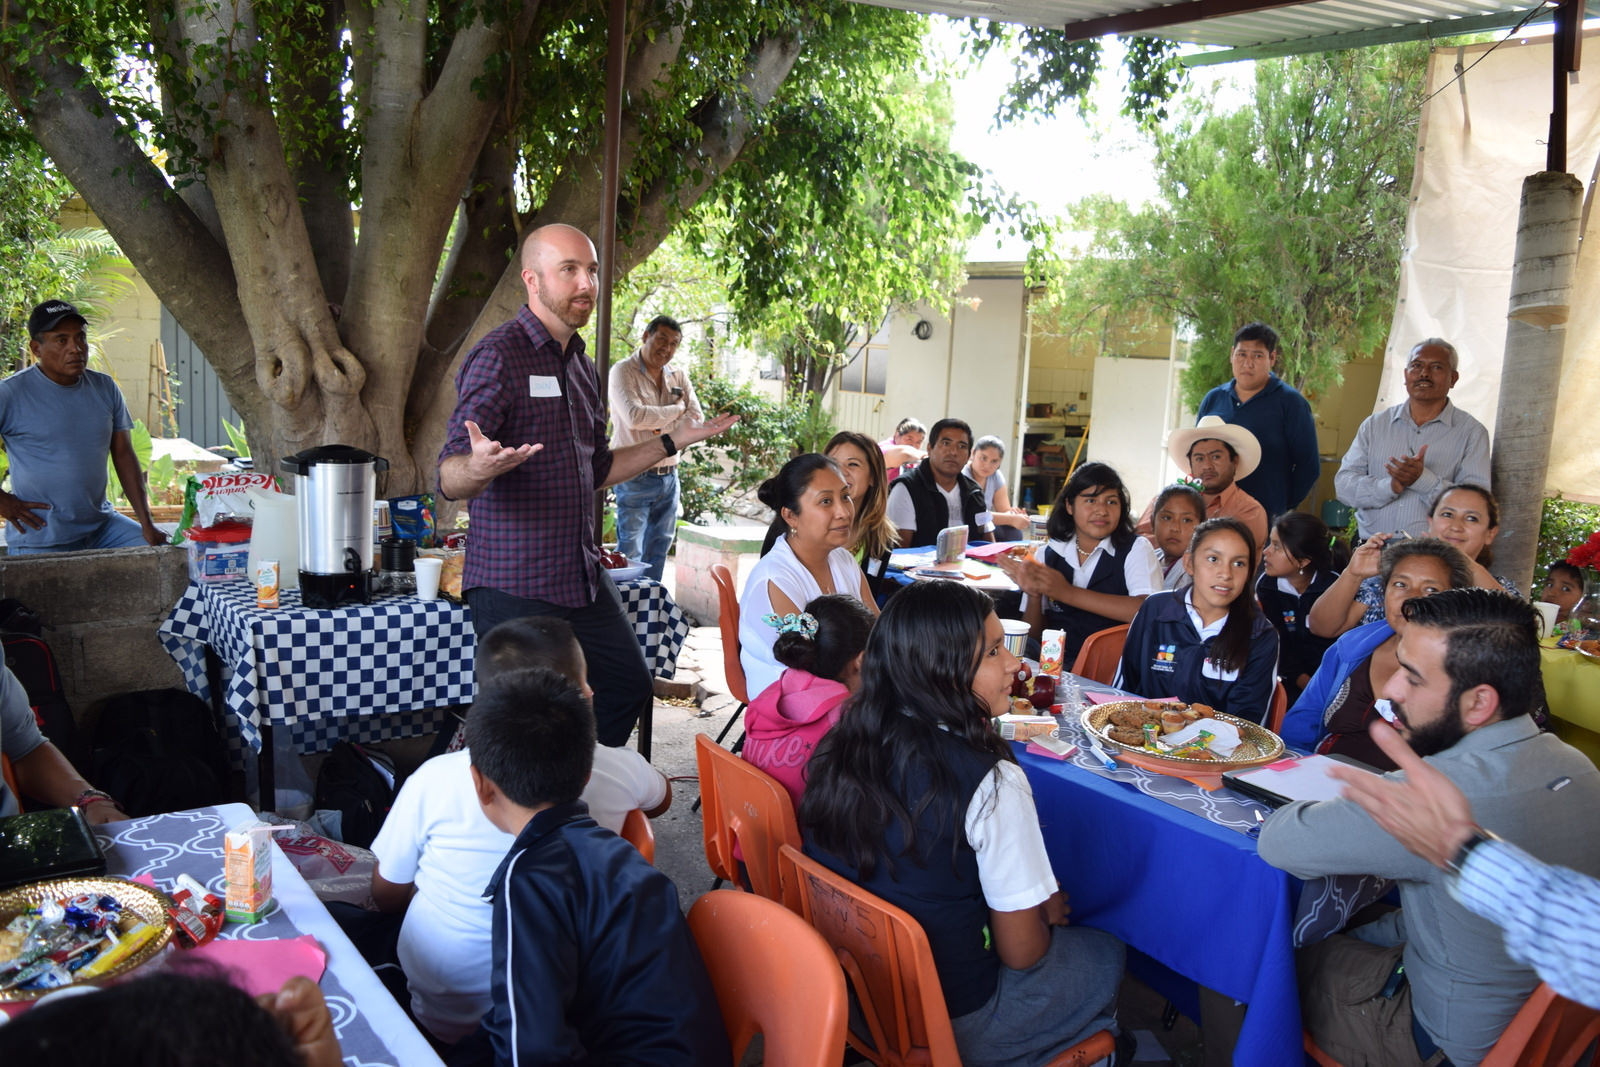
{"x":616,"y":69}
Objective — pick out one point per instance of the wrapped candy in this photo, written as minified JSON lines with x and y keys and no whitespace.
{"x":197,"y":914}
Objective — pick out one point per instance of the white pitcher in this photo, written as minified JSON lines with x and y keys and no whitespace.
{"x":275,"y":535}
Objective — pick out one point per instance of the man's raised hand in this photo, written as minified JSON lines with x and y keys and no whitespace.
{"x":490,"y":459}
{"x":709,"y":428}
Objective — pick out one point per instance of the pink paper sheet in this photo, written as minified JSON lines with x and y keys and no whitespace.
{"x":259,"y":967}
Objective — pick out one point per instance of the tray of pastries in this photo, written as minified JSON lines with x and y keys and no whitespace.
{"x":1190,"y":734}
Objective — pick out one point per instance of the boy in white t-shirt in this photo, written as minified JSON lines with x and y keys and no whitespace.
{"x":437,"y":851}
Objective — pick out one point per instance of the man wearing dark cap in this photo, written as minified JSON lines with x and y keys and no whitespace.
{"x":60,"y":420}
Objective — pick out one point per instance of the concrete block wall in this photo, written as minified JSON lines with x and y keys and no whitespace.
{"x":699,"y":549}
{"x":104,"y":608}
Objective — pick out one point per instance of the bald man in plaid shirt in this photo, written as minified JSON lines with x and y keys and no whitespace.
{"x":527,"y":444}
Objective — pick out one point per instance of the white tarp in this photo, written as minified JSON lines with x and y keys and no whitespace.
{"x":1479,"y":139}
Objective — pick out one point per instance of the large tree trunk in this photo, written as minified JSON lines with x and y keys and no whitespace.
{"x":1541,"y":285}
{"x":319,"y":334}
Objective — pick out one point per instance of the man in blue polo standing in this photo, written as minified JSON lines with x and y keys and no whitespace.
{"x":1276,"y":413}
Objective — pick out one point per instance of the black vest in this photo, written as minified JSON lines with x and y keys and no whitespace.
{"x":948,"y":903}
{"x":932,"y":509}
{"x":1076,"y":624}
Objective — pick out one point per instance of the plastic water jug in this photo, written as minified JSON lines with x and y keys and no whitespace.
{"x":276,"y":535}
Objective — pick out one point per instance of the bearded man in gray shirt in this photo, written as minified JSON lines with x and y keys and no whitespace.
{"x":1433,"y":979}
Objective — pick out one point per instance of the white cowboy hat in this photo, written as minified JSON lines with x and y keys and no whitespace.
{"x":1212,"y":428}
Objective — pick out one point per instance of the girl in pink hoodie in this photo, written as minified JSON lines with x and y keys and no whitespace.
{"x":821,"y":647}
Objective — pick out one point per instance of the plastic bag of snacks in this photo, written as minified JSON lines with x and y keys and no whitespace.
{"x":221,"y":497}
{"x":412,"y":517}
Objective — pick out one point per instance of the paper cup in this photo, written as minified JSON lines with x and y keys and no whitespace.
{"x":1016,"y":635}
{"x":427,"y":569}
{"x":1547,"y":616}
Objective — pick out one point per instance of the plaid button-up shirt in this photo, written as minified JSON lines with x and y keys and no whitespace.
{"x":533,"y":527}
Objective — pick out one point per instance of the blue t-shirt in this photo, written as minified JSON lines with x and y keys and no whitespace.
{"x":58,"y":438}
{"x":19,"y":731}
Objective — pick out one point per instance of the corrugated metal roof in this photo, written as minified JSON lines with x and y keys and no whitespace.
{"x":1276,"y":29}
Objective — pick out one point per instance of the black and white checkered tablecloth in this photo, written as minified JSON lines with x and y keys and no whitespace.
{"x":362,"y":673}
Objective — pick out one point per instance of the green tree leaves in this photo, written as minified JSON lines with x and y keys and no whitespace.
{"x":1290,"y":211}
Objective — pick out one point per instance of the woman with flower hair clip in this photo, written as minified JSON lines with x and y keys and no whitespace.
{"x":822,"y":648}
{"x":805,"y":556}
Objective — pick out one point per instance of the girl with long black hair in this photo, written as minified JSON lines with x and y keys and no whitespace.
{"x":1208,"y":644}
{"x":914,"y":796}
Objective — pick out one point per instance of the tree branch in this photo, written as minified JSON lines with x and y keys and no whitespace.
{"x":185,"y":265}
{"x":321,"y":172}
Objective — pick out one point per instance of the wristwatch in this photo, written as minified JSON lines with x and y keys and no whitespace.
{"x":669,"y":444}
{"x":1479,"y":836}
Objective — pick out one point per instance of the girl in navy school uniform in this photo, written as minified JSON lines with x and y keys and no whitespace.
{"x":1094,"y":571}
{"x":1297,"y":566}
{"x":1208,"y":644}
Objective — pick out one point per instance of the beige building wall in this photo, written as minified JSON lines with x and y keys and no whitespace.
{"x":1062,"y":372}
{"x":129,"y":335}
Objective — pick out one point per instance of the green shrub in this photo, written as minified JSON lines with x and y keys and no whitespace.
{"x":763,"y":439}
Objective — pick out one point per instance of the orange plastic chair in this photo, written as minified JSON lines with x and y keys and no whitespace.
{"x":744,"y":804}
{"x":886,"y":957}
{"x":1548,"y":1031}
{"x":1279,"y":708}
{"x":1101,"y":655}
{"x":637,"y":831}
{"x":10,"y":777}
{"x":728,"y":624}
{"x":774,"y":976}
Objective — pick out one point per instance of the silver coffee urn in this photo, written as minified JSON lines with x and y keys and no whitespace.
{"x":334,"y":486}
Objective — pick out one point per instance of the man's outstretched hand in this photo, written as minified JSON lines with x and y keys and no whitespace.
{"x":490,"y":459}
{"x":709,"y":428}
{"x":1426,"y":813}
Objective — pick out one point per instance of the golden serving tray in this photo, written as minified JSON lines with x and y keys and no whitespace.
{"x":148,"y":904}
{"x":1257,"y":743}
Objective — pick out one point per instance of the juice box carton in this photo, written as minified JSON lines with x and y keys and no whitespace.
{"x":247,"y":862}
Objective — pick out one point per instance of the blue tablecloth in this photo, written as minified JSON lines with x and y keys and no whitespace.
{"x":1191,"y":895}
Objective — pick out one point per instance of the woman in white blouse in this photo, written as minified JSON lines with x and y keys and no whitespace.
{"x":805,"y":556}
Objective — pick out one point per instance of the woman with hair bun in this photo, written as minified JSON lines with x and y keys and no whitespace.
{"x":805,"y":556}
{"x":822,"y":648}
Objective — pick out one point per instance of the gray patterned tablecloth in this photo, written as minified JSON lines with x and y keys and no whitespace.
{"x":190,"y":842}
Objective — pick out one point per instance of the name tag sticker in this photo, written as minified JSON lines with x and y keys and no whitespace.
{"x":875,"y":567}
{"x":543,"y":385}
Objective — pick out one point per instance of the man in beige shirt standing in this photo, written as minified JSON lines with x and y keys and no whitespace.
{"x":649,"y":398}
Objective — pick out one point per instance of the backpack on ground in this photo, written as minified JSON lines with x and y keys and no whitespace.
{"x":360,"y":784}
{"x":30,"y":659}
{"x":159,"y":750}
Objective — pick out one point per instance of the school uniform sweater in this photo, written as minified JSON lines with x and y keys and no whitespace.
{"x":1167,"y":654}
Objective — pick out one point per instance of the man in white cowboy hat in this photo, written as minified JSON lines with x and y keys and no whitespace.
{"x":1217,"y":454}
